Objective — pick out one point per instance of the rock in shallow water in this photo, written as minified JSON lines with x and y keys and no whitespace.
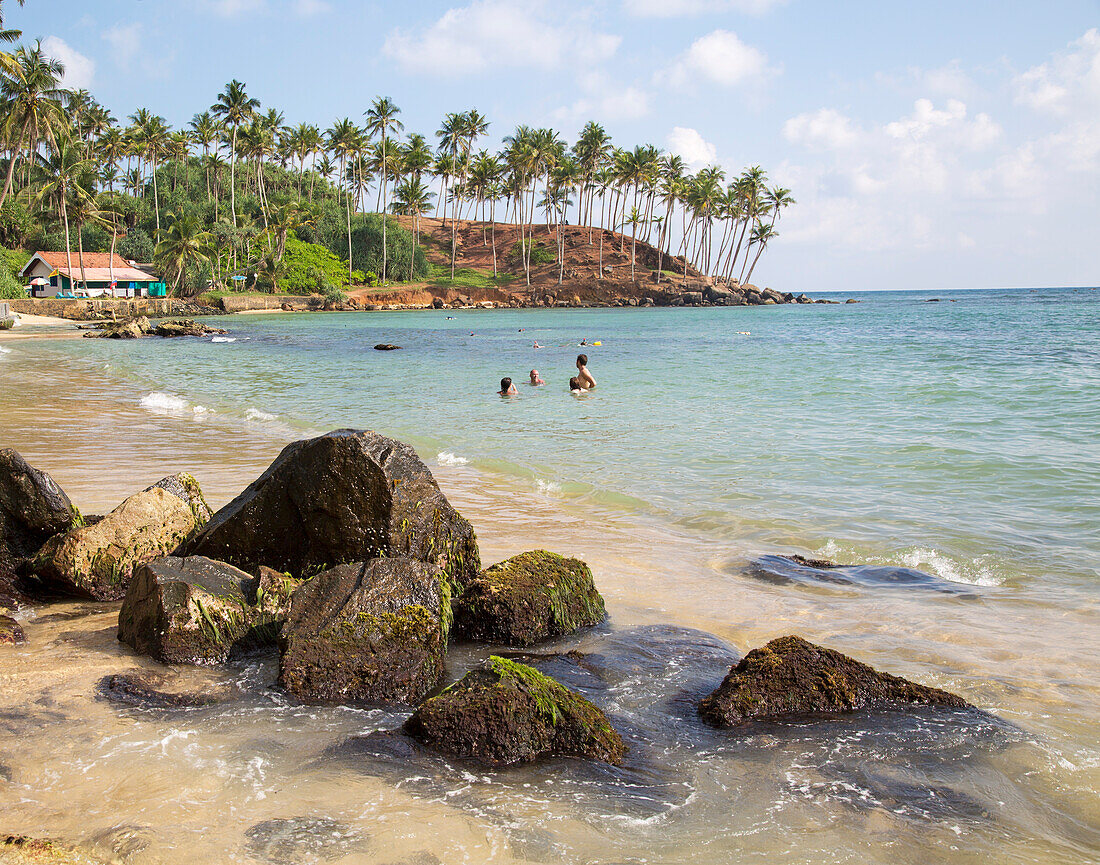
{"x":11,"y":632}
{"x":505,"y":713}
{"x":374,"y":631}
{"x":148,"y":690}
{"x":192,"y":611}
{"x":348,"y":496}
{"x":791,"y":678}
{"x":98,"y":560}
{"x":531,"y":597}
{"x":799,"y":570}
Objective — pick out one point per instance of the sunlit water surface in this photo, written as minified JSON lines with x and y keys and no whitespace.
{"x":947,"y":451}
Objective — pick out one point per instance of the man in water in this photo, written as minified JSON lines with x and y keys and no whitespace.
{"x":535,"y":380}
{"x":506,"y":387}
{"x":583,"y":375}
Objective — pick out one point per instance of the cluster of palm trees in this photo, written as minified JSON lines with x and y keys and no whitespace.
{"x":69,"y":160}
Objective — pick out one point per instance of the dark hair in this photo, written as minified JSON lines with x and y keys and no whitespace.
{"x":582,"y":359}
{"x":575,"y":383}
{"x":505,"y":383}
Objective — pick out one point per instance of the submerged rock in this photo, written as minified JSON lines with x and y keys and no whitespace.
{"x":531,"y":597}
{"x":348,"y":496}
{"x":192,"y":611}
{"x":98,"y":560}
{"x":304,"y":839}
{"x":386,"y":346}
{"x":505,"y":713}
{"x":21,"y":850}
{"x":11,"y":632}
{"x":790,"y":678}
{"x":148,"y":690}
{"x":799,"y":570}
{"x":374,"y":631}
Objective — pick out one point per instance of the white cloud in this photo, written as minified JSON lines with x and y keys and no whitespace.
{"x":490,"y":34}
{"x":678,"y":8}
{"x":720,"y":58}
{"x":79,"y":70}
{"x":606,"y":101}
{"x":125,"y":41}
{"x":309,"y":8}
{"x":825,"y":127}
{"x":1067,"y":85}
{"x":690,"y":145}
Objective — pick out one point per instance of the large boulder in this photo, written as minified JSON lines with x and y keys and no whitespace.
{"x":792,"y":678}
{"x":374,"y":632}
{"x":348,"y":496}
{"x":193,"y":611}
{"x":505,"y":713}
{"x":185,"y":488}
{"x":98,"y":560}
{"x":531,"y":597}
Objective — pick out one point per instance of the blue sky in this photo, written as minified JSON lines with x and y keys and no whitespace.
{"x":928,"y":145}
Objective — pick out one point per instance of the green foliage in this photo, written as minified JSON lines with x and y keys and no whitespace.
{"x":366,"y":247}
{"x":539,"y":253}
{"x":311,"y":267}
{"x":466,"y":277}
{"x":137,"y":245}
{"x":15,"y":259}
{"x":16,"y":223}
{"x":10,"y":287}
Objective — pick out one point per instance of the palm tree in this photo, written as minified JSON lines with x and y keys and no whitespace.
{"x":63,"y":168}
{"x":233,"y":107}
{"x":185,"y":244}
{"x":761,"y":235}
{"x":7,"y":61}
{"x":34,"y":105}
{"x":154,"y":138}
{"x":343,"y":140}
{"x":381,"y":121}
{"x":413,"y":198}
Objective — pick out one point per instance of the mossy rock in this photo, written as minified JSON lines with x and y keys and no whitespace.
{"x":504,"y":713}
{"x":185,"y":488}
{"x":528,"y":598}
{"x":193,"y":611}
{"x":98,"y":560}
{"x":347,"y":496}
{"x":21,"y":850}
{"x":791,"y":678}
{"x":367,"y":631}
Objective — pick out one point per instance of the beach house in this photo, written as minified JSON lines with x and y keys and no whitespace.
{"x":104,"y":275}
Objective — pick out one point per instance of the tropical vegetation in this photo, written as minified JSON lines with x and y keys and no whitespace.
{"x":239,"y":198}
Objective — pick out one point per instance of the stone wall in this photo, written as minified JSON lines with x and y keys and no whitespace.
{"x":81,"y":309}
{"x":275,"y":301}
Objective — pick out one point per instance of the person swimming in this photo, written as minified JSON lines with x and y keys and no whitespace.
{"x":506,"y":387}
{"x":536,"y":345}
{"x":583,"y":375}
{"x":575,"y":385}
{"x":535,"y":380}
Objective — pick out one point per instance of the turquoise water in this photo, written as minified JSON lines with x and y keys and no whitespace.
{"x":958,"y":436}
{"x":947,"y":449}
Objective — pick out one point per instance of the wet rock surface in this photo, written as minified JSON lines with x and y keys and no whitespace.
{"x":505,"y":713}
{"x":21,"y":850}
{"x":98,"y":560}
{"x":374,"y":631}
{"x":793,"y":678}
{"x":11,"y":632}
{"x":304,"y":839}
{"x":348,"y":496}
{"x":526,"y":599}
{"x":785,"y":570}
{"x":192,"y":611}
{"x":147,"y":689}
{"x":386,"y":346}
{"x":184,"y":327}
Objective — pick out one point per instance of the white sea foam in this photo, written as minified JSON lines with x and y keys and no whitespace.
{"x":978,"y":572}
{"x":547,"y":486}
{"x":446,"y":458}
{"x":223,"y":339}
{"x":256,"y":414}
{"x":171,"y":405}
{"x":4,"y":350}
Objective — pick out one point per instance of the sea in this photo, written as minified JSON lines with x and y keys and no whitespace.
{"x":944,"y":447}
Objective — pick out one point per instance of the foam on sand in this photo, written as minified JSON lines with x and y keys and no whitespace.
{"x":446,"y":458}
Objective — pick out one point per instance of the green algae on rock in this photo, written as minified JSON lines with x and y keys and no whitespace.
{"x":531,"y":597}
{"x":98,"y":560}
{"x":192,"y":611}
{"x":792,"y":678}
{"x":21,"y":850}
{"x":373,"y":632}
{"x":347,"y":496}
{"x":504,"y":713}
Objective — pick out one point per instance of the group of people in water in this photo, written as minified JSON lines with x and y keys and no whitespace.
{"x":582,"y":382}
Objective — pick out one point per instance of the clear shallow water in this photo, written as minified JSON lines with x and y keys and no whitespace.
{"x":958,"y":440}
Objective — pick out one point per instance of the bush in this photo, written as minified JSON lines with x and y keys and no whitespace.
{"x":137,"y":245}
{"x":16,"y":224}
{"x":15,"y":259}
{"x":309,"y":266}
{"x":10,"y":289}
{"x":366,"y":248}
{"x":539,"y":253}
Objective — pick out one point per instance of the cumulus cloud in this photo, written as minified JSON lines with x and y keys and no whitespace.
{"x":679,"y":8}
{"x":825,"y":128}
{"x":605,"y":100}
{"x":1068,"y":84}
{"x":690,"y":145}
{"x":501,"y":33}
{"x":719,"y":57}
{"x":79,"y":70}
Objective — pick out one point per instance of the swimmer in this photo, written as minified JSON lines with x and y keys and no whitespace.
{"x":583,"y":375}
{"x":536,"y":345}
{"x":506,"y":387}
{"x":535,"y":380}
{"x":575,"y":385}
{"x":584,"y":340}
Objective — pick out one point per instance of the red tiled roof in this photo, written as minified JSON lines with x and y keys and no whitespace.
{"x":97,"y":266}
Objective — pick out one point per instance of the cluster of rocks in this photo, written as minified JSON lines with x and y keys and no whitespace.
{"x":135,"y":328}
{"x":347,"y":557}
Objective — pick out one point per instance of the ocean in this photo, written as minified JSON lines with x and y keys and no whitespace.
{"x":946,"y":451}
